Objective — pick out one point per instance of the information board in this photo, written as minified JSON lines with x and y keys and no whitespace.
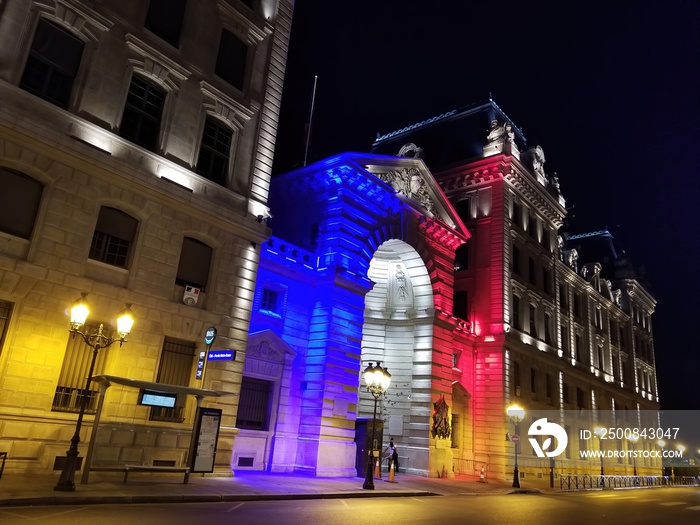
{"x":204,"y":439}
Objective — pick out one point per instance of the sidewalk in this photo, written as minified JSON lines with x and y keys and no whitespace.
{"x":22,"y":490}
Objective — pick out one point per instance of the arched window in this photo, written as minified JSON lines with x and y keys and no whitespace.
{"x":113,"y":237}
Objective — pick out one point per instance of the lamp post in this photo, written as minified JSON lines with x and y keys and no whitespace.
{"x":662,"y":444}
{"x":516,"y":415}
{"x":681,"y":449}
{"x":599,"y":431}
{"x":377,"y":381}
{"x":633,"y":440}
{"x":96,"y":340}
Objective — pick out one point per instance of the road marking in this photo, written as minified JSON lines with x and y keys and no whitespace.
{"x":696,"y":507}
{"x":345,"y":503}
{"x":235,"y":507}
{"x":673,"y":503}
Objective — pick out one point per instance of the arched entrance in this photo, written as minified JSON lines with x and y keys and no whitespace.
{"x":398,"y":331}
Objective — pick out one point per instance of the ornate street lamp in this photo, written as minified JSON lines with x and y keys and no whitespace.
{"x":96,"y":340}
{"x":516,"y":415}
{"x":377,"y":381}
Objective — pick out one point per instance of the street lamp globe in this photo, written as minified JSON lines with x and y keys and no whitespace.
{"x":79,"y":311}
{"x":125,"y":321}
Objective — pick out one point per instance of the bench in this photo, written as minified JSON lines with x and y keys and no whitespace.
{"x":149,"y":468}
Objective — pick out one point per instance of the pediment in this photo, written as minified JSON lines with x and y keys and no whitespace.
{"x":414,"y":184}
{"x":268,"y":346}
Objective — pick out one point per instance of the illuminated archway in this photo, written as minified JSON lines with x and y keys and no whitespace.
{"x":398,"y":331}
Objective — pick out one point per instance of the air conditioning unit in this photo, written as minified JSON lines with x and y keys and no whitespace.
{"x":191,"y":295}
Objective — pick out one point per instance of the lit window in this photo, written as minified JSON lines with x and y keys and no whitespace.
{"x":195,"y":260}
{"x":52,"y":64}
{"x":114,"y":234}
{"x":142,"y":114}
{"x":164,"y":18}
{"x":231,"y":59}
{"x":214,"y":152}
{"x":19,"y":203}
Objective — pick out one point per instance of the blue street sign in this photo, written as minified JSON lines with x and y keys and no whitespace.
{"x":221,"y":355}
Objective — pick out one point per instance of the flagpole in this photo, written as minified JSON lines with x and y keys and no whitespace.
{"x":311,"y":118}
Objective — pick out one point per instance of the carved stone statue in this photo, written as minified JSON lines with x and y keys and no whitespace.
{"x":554,"y":182}
{"x":496,"y":133}
{"x":538,"y":160}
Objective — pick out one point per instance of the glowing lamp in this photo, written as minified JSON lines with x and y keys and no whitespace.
{"x":79,"y":311}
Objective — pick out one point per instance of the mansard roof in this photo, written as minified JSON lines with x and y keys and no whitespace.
{"x":453,"y":136}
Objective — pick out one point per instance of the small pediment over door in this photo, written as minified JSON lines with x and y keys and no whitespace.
{"x":267,"y":354}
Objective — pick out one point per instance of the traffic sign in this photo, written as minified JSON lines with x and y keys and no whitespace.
{"x":515,"y":438}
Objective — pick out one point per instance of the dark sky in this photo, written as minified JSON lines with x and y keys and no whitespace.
{"x":609,"y":89}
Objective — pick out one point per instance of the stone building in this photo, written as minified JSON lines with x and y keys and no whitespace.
{"x":136,"y":141}
{"x":441,"y":255}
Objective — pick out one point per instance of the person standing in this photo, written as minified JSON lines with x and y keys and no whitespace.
{"x":393,"y":455}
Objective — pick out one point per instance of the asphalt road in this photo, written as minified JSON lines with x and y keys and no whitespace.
{"x":660,"y":506}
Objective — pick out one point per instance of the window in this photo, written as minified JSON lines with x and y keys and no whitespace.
{"x":52,"y":64}
{"x":142,"y":113}
{"x":516,"y":377}
{"x":532,"y":226}
{"x":601,"y":358}
{"x":516,"y":313}
{"x":547,"y":280}
{"x":563,"y":297}
{"x":548,"y":385}
{"x":214,"y":152}
{"x":517,"y":214}
{"x":231,"y":60}
{"x":462,"y":257}
{"x":582,"y":443}
{"x":460,"y":308}
{"x":195,"y":260}
{"x":76,"y":365}
{"x":114,"y":234}
{"x":546,"y":239}
{"x":164,"y":18}
{"x":578,"y":304}
{"x":564,"y":340}
{"x":516,"y":261}
{"x":5,"y":311}
{"x":547,"y":328}
{"x":532,"y":270}
{"x":455,"y":430}
{"x":464,"y":209}
{"x":533,"y":380}
{"x":565,"y":392}
{"x":254,"y":404}
{"x":533,"y":320}
{"x":20,"y":196}
{"x":270,"y":300}
{"x":578,"y":347}
{"x":580,"y":398}
{"x":175,"y":369}
{"x":616,"y":367}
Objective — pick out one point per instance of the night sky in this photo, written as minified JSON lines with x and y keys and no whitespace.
{"x":609,"y":89}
